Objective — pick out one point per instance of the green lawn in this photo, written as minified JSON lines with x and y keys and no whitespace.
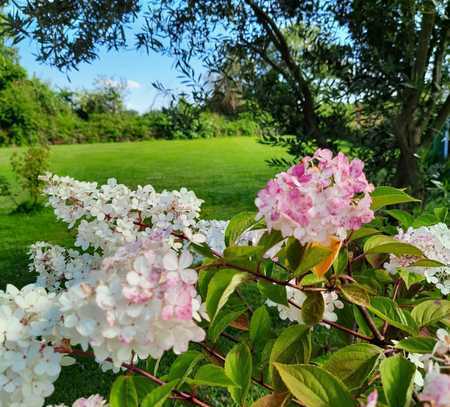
{"x":225,"y":172}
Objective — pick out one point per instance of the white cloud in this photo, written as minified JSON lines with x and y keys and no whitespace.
{"x":133,"y":84}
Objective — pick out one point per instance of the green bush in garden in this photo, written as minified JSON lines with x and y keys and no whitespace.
{"x":326,"y":253}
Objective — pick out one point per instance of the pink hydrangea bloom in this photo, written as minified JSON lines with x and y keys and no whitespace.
{"x":320,"y":197}
{"x":92,"y":401}
{"x":436,"y":389}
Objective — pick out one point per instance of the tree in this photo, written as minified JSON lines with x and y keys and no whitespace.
{"x":388,"y":59}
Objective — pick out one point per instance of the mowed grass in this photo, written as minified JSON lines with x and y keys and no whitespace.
{"x":225,"y":172}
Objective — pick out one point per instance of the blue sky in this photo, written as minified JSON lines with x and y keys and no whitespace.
{"x":138,"y":68}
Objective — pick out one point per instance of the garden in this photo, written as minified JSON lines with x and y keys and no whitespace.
{"x":277,"y":236}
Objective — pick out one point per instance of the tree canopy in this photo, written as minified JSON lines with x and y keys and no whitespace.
{"x":375,"y":71}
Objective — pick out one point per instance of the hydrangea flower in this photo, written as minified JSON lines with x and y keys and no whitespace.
{"x":29,"y":364}
{"x":436,"y":390}
{"x":320,"y":197}
{"x":434,"y":242}
{"x":141,"y":300}
{"x":298,"y":297}
{"x":112,"y":215}
{"x":91,"y":401}
{"x":59,"y":268}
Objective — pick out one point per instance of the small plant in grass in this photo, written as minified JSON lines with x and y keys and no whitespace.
{"x":322,"y":253}
{"x":27,"y":167}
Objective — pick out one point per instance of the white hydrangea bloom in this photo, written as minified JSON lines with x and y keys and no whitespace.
{"x":58,"y":267}
{"x":434,"y":241}
{"x":292,"y":313}
{"x":112,"y":215}
{"x":141,"y":300}
{"x":29,"y":364}
{"x":91,"y":401}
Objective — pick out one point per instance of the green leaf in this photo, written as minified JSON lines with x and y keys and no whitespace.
{"x":143,"y":386}
{"x":314,"y":386}
{"x":183,"y":366}
{"x":222,"y":320}
{"x":238,"y":225}
{"x":238,"y":368}
{"x":397,"y":377}
{"x":273,"y":292}
{"x":312,"y":256}
{"x":354,"y":363}
{"x":203,"y":250}
{"x":389,"y":245}
{"x":410,"y":278}
{"x":159,"y":395}
{"x":383,"y":196}
{"x":220,"y":288}
{"x":292,"y":346}
{"x":341,"y":262}
{"x":431,"y":311}
{"x":362,"y":323}
{"x":239,"y":252}
{"x":272,"y":400}
{"x":356,"y":294}
{"x":417,"y":344}
{"x":405,"y":219}
{"x":441,"y":214}
{"x":363,"y":232}
{"x":313,"y":308}
{"x":389,"y":311}
{"x":123,"y":393}
{"x":211,"y":375}
{"x":426,"y":219}
{"x":260,"y":325}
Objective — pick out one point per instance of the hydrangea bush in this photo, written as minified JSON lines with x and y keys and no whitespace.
{"x":322,"y":297}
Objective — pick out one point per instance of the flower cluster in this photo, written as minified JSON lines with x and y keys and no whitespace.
{"x":112,"y":215}
{"x":29,"y":363}
{"x":436,"y":389}
{"x":140,"y":301}
{"x":298,"y":297}
{"x":58,"y":267}
{"x":320,"y":197}
{"x":91,"y":401}
{"x":434,"y":242}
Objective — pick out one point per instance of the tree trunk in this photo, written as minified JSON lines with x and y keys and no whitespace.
{"x":409,"y":174}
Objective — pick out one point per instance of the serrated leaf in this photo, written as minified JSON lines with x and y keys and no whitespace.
{"x":313,"y":386}
{"x":426,"y":219}
{"x":222,"y":320}
{"x":273,"y":292}
{"x":260,"y":325}
{"x":292,"y":346}
{"x":238,"y":225}
{"x":313,"y":308}
{"x":355,"y":294}
{"x":409,"y":277}
{"x":389,"y":311}
{"x":183,"y":366}
{"x":384,"y":196}
{"x":123,"y":393}
{"x":417,"y":344}
{"x":354,"y":363}
{"x":222,"y":285}
{"x":381,"y":244}
{"x":238,"y":368}
{"x":397,"y":377}
{"x":158,"y":396}
{"x":211,"y":375}
{"x":431,"y":311}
